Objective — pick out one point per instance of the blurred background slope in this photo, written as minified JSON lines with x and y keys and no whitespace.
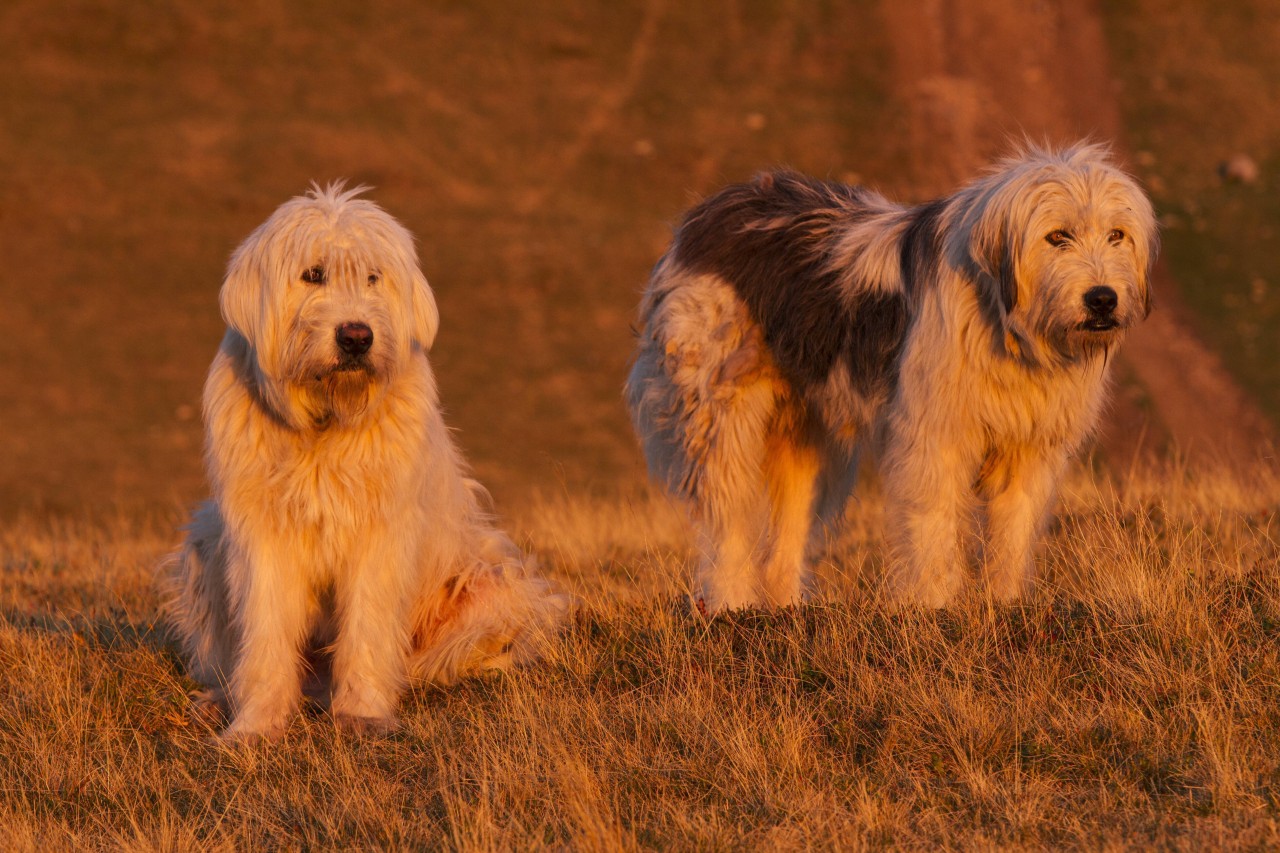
{"x":540,"y":152}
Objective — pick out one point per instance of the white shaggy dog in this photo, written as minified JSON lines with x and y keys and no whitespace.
{"x":793,"y":319}
{"x":343,"y":537}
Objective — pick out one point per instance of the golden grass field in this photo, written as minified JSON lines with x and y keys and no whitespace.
{"x":1132,"y":702}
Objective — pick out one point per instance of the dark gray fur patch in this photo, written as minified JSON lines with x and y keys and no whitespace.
{"x":771,"y":239}
{"x":921,"y":243}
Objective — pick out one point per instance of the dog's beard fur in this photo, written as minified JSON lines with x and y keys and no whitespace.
{"x":342,"y":396}
{"x":343,"y":390}
{"x":1066,"y":332}
{"x":324,"y":386}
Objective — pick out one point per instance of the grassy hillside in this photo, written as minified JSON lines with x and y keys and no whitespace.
{"x":1131,"y":702}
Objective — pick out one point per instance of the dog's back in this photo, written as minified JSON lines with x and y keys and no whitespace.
{"x":786,"y":277}
{"x":778,"y":241}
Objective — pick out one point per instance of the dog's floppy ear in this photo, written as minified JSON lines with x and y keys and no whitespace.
{"x":1148,"y":297}
{"x":1007,"y":278}
{"x":995,"y":249}
{"x":1144,"y":284}
{"x":1147,"y":246}
{"x":426,"y":316}
{"x":243,"y":290}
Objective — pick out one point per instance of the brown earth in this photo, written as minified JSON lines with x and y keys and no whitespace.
{"x":539,"y":152}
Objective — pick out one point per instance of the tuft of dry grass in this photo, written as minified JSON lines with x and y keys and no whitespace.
{"x":1133,"y":700}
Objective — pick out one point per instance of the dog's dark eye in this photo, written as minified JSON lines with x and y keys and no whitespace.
{"x":1058,"y":238}
{"x":374,"y":278}
{"x":315,"y":275}
{"x":1116,"y":236}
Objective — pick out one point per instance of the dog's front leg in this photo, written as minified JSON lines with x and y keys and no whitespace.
{"x":272,"y":605}
{"x":1017,"y":509}
{"x":371,"y":652}
{"x":928,"y":490}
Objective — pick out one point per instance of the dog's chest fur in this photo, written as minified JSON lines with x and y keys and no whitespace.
{"x":339,"y":477}
{"x":327,"y":485}
{"x":955,"y":377}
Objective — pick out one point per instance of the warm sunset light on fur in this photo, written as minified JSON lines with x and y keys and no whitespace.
{"x":343,"y":526}
{"x":795,"y":449}
{"x":794,"y":320}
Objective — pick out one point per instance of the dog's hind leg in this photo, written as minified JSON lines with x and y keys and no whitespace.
{"x":193,"y":588}
{"x":731,"y":504}
{"x":703,"y":393}
{"x":729,"y":544}
{"x":791,"y":469}
{"x":493,"y":614}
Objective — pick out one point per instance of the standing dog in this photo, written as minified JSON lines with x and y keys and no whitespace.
{"x":793,"y":319}
{"x":343,"y":533}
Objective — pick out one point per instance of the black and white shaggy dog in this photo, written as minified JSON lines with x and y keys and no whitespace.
{"x":792,"y":319}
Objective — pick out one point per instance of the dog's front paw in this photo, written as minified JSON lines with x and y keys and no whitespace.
{"x":246,"y":732}
{"x":209,"y":708}
{"x":366,"y":726}
{"x":356,"y":699}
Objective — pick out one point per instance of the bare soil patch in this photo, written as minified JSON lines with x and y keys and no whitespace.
{"x":538,"y":153}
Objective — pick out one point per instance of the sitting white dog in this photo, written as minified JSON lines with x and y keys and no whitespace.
{"x":344,"y":537}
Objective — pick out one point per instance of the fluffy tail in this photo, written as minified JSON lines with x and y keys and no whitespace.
{"x":192,"y":586}
{"x":493,"y":612}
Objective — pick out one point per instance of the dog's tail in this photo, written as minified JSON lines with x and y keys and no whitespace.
{"x":493,"y":612}
{"x":191,"y":583}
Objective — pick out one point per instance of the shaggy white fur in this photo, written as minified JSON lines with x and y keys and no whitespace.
{"x":344,"y":542}
{"x":793,"y":320}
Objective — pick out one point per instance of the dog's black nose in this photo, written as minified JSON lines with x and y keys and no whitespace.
{"x":354,"y":338}
{"x":1100,"y":300}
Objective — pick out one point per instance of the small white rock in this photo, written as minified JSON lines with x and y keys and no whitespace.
{"x":1240,"y":169}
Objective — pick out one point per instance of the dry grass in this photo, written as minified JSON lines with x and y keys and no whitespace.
{"x":1135,"y":699}
{"x":540,"y":152}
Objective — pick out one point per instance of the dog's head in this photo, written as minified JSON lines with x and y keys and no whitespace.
{"x":329,"y":298}
{"x":1064,"y":243}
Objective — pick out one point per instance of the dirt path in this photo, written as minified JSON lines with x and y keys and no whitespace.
{"x":973,"y":73}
